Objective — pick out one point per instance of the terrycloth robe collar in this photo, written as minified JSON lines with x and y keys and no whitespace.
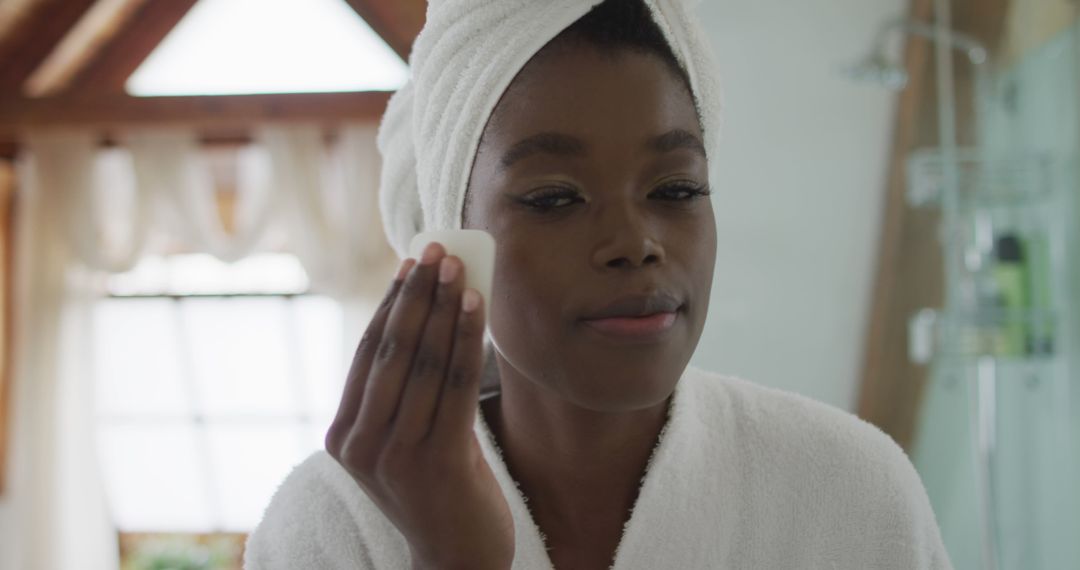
{"x":687,"y":461}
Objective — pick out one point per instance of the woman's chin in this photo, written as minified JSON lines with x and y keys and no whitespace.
{"x":621,"y":391}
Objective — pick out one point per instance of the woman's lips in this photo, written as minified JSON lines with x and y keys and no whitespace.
{"x":634,"y":327}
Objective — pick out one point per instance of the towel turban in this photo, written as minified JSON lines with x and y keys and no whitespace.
{"x":461,"y":63}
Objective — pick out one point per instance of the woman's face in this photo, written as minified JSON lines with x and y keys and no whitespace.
{"x":587,"y":177}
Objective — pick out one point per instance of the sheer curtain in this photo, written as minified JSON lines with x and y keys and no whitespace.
{"x":82,"y":212}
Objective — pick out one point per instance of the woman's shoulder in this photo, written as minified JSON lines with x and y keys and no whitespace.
{"x":814,"y":443}
{"x":849,"y":479}
{"x":766,"y":413}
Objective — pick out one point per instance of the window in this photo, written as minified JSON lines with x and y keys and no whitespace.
{"x":214,"y":380}
{"x":269,"y":46}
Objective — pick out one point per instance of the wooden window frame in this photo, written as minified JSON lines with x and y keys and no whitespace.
{"x":7,"y":199}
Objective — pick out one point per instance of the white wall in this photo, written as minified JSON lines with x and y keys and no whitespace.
{"x":10,"y":547}
{"x":798,"y":192}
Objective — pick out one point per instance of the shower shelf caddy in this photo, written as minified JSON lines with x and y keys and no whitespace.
{"x":997,"y":196}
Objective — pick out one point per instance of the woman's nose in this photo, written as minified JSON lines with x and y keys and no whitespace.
{"x":627,"y":241}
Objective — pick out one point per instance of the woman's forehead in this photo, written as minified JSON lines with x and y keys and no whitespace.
{"x":589,"y":94}
{"x":557,"y":144}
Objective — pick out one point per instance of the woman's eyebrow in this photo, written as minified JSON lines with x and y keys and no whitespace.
{"x":676,"y":139}
{"x":560,"y":144}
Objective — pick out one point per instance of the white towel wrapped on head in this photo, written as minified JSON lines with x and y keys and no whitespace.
{"x":463,"y":60}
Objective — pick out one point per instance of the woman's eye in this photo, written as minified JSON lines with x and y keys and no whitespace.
{"x":559,"y":198}
{"x":551,"y":199}
{"x":681,"y":191}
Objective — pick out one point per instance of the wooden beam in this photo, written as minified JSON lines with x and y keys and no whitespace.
{"x":982,"y":19}
{"x":12,"y":15}
{"x":7,"y":194}
{"x":910,"y":267}
{"x":223,"y":111}
{"x":398,"y":22}
{"x":885,"y":397}
{"x":98,"y":27}
{"x":126,"y":51}
{"x":33,"y":36}
{"x":225,"y":119}
{"x":209,"y":137}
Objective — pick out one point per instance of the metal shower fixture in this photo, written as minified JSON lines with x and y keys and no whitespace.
{"x":880,"y":69}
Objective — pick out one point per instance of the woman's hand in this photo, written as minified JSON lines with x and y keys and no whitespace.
{"x":404,"y":428}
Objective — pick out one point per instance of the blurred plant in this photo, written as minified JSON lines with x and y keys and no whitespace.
{"x":183,"y":552}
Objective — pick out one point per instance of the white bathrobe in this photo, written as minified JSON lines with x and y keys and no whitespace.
{"x":743,"y":477}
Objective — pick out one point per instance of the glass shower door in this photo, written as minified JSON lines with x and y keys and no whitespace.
{"x":998,"y":443}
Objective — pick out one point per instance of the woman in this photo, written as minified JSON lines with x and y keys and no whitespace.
{"x":601,"y":447}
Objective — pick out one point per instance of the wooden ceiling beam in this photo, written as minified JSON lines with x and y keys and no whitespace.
{"x":226,"y":119}
{"x":97,"y":28}
{"x":12,"y":15}
{"x":224,"y":111}
{"x":207,"y":137}
{"x":398,"y":22}
{"x":124,"y":52}
{"x":34,"y":32}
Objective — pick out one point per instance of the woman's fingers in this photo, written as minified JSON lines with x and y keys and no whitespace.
{"x":456,"y":410}
{"x":394,"y":354}
{"x":416,"y":408}
{"x":416,"y":378}
{"x":361,"y":364}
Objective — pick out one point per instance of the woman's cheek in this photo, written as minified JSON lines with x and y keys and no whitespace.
{"x":525,"y":279}
{"x":511,"y":277}
{"x":699,"y":237}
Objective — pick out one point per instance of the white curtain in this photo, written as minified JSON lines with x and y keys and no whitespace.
{"x":81,"y":213}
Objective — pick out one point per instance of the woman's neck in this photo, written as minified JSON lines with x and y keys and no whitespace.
{"x":580,"y":469}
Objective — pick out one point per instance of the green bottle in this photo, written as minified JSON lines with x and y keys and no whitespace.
{"x":1041,"y":341}
{"x":1011,"y":276}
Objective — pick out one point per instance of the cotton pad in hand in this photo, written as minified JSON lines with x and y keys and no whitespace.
{"x":475,"y":248}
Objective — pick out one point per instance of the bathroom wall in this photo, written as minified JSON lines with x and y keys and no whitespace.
{"x":798,"y":191}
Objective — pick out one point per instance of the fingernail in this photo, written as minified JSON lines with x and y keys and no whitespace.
{"x":470,"y":300}
{"x":431,"y":253}
{"x":404,"y":268}
{"x":448,"y":270}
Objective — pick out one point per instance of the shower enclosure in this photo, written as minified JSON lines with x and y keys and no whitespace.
{"x":999,"y":432}
{"x":998,"y":437}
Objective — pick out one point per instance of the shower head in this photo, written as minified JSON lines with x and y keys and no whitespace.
{"x":879,"y":69}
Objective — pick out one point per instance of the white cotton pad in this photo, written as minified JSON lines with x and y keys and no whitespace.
{"x":475,"y":248}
